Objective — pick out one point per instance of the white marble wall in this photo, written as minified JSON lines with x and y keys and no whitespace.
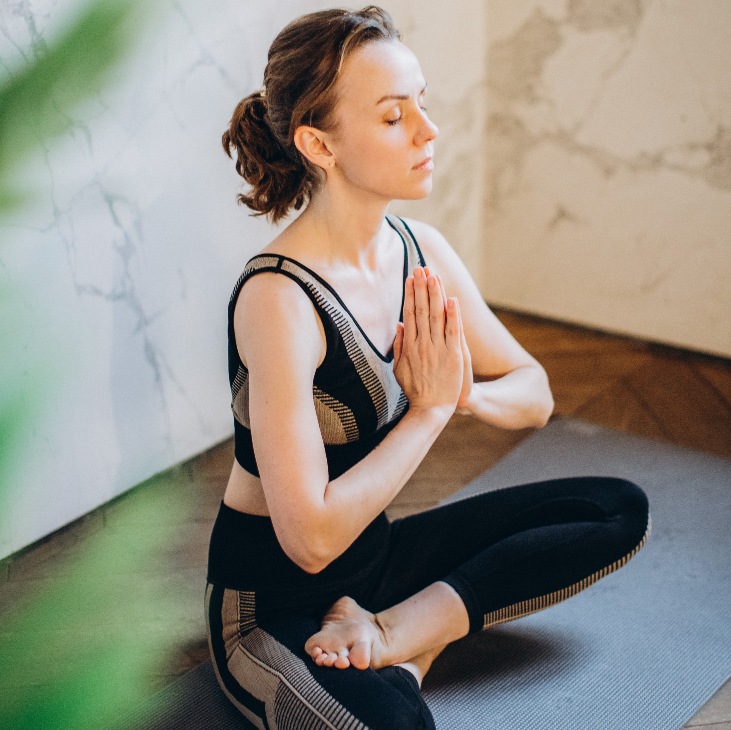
{"x":608,"y":177}
{"x":116,"y":275}
{"x":121,"y":266}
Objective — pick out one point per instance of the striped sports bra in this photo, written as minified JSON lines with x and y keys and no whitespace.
{"x":356,"y":396}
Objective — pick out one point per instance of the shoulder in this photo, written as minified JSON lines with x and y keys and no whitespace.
{"x":274,"y":314}
{"x":426,"y":235}
{"x":273,"y":289}
{"x":438,"y":252}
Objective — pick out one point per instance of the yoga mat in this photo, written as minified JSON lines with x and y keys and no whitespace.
{"x":642,"y":649}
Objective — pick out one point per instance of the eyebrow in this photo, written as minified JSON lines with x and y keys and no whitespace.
{"x":398,"y":97}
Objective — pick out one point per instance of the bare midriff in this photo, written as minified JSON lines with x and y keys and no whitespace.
{"x":245,"y":493}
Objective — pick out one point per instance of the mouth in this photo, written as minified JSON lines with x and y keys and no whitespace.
{"x":425,"y":165}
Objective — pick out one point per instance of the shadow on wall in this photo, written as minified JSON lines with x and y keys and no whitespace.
{"x":96,"y":683}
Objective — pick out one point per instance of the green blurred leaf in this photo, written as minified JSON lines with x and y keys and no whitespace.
{"x":93,"y":637}
{"x":100,"y":674}
{"x":36,"y":99}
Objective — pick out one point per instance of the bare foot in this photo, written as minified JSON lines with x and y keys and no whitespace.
{"x":349,"y":636}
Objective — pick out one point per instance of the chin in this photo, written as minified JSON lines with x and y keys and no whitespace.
{"x":415,"y":192}
{"x":423,"y":192}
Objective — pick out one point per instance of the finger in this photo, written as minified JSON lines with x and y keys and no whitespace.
{"x":463,"y":339}
{"x":421,"y":302}
{"x":452,"y":329}
{"x":398,"y":343}
{"x":436,"y":310}
{"x":466,"y":356}
{"x":409,"y":311}
{"x":444,"y":293}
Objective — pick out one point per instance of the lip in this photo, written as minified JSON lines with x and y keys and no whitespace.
{"x":425,"y":165}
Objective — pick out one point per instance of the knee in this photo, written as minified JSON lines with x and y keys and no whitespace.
{"x":631,"y":508}
{"x":633,"y":499}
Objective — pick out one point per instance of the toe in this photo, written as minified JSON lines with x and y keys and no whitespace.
{"x":360,"y":655}
{"x":312,"y":645}
{"x":342,"y":662}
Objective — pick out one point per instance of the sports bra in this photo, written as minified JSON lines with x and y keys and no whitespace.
{"x":357,"y":398}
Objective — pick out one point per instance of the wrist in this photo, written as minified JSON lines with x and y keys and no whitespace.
{"x":466,"y":406}
{"x":436,"y":415}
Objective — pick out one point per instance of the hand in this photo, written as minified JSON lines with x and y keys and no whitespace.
{"x":428,"y":356}
{"x":467,"y":377}
{"x":463,"y":402}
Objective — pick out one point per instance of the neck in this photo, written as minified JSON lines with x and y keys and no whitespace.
{"x":346,"y":228}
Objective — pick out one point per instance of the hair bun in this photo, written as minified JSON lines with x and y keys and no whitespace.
{"x":261,"y":160}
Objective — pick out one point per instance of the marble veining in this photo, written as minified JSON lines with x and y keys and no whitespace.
{"x":121,"y":262}
{"x":593,"y":108}
{"x":583,"y":171}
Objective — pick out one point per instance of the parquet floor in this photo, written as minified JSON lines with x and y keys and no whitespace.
{"x":648,"y":390}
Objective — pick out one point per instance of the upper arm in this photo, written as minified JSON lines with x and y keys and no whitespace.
{"x":493,"y":349}
{"x":282,"y":343}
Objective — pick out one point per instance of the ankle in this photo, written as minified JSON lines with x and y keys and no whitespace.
{"x":386,"y":638}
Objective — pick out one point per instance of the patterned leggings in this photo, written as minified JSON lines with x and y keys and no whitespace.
{"x":507,"y":553}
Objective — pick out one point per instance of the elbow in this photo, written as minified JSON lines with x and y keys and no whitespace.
{"x":308,"y":553}
{"x":545,"y":407}
{"x":544,"y":403}
{"x":305,"y":535}
{"x":543,"y":413}
{"x":312,"y":563}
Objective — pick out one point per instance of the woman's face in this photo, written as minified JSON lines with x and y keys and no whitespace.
{"x":383,"y":141}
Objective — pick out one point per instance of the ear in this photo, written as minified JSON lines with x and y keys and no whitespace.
{"x":313,"y":144}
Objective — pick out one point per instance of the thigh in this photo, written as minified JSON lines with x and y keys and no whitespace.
{"x":264,"y":670}
{"x":427,"y":547}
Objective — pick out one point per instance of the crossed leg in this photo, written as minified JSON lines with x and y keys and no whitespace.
{"x":448,"y":571}
{"x":411,"y":633}
{"x":265,"y":673}
{"x":484,"y":560}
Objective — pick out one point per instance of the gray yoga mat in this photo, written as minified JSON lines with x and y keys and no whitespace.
{"x":642,"y":649}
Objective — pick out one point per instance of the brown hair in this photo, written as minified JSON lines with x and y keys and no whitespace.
{"x":303,"y":65}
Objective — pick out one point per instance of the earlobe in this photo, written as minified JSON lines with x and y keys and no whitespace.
{"x":311,"y":142}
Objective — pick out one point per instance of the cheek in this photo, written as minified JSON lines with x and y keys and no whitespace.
{"x":368,"y":154}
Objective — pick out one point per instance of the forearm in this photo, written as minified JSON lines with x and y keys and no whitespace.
{"x":520,"y":399}
{"x":354,"y":499}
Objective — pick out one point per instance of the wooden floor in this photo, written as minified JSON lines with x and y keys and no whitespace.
{"x":649,"y":390}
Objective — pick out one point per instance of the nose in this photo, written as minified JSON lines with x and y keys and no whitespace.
{"x":428,"y":131}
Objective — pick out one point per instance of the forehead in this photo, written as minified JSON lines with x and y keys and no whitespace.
{"x":379,"y":69}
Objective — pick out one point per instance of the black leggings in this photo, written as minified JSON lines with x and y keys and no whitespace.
{"x":507,"y":553}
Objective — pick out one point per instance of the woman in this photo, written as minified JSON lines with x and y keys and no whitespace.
{"x":354,"y":336}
